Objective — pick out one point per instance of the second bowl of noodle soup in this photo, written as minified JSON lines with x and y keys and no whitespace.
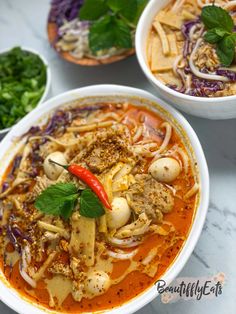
{"x":183,"y":66}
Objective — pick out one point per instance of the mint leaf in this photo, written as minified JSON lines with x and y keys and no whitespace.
{"x":126,"y":8}
{"x":93,"y":10}
{"x":90,"y":205}
{"x":58,"y":200}
{"x":108,"y":32}
{"x":221,"y":32}
{"x":101,"y":34}
{"x":122,"y":34}
{"x":226,"y":50}
{"x":215,"y":34}
{"x":67,"y":208}
{"x":214,"y":16}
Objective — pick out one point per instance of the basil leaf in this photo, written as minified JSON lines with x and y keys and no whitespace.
{"x":109,"y":32}
{"x":214,"y":16}
{"x":90,"y":205}
{"x":93,"y":10}
{"x":126,"y":8}
{"x":226,"y":50}
{"x":215,"y":34}
{"x":58,"y":200}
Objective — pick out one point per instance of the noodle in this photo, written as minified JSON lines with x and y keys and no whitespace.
{"x":182,"y":57}
{"x":73,"y":249}
{"x":192,"y":191}
{"x":91,"y":127}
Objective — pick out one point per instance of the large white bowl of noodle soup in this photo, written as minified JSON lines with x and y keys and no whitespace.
{"x":211,"y":108}
{"x":38,"y":116}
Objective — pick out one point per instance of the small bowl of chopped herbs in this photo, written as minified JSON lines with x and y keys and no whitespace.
{"x":24,"y":83}
{"x":94,"y":32}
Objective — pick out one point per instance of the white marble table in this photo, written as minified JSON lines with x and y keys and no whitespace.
{"x":24,"y":22}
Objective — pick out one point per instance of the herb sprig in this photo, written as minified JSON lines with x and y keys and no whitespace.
{"x":61,"y":199}
{"x":112,"y":22}
{"x":220,"y":25}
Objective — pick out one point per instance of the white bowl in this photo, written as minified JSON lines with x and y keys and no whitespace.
{"x":48,"y":78}
{"x":211,"y":108}
{"x":38,"y":115}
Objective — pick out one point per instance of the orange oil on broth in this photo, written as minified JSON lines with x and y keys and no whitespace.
{"x":135,"y":282}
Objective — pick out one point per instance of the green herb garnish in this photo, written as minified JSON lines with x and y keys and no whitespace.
{"x":60,"y":200}
{"x":22,"y":84}
{"x":109,"y":32}
{"x":90,"y":205}
{"x":112,"y":22}
{"x":220,"y":25}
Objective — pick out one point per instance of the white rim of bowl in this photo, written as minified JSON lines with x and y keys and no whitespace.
{"x":48,"y":77}
{"x":144,"y":19}
{"x":13,"y":299}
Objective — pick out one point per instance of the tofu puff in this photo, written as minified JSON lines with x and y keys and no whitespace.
{"x":82,"y":264}
{"x":179,"y":56}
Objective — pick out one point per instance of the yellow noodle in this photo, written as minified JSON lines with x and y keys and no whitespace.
{"x":192,"y":191}
{"x":177,"y":6}
{"x":90,"y":127}
{"x":52,"y":228}
{"x":37,"y":276}
{"x":138,"y":133}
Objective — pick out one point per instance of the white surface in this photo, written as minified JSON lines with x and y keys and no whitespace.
{"x":24,"y":22}
{"x":211,"y":108}
{"x":122,"y":93}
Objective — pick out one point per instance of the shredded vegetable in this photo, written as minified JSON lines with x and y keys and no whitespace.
{"x":22,"y":84}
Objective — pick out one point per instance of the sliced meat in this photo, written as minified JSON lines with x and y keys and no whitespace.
{"x":110,"y":148}
{"x":149,"y":196}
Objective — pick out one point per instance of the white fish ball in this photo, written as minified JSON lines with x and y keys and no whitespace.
{"x":165,"y":169}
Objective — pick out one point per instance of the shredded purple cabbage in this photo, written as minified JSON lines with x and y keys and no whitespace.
{"x":5,"y":186}
{"x":202,"y":88}
{"x":34,"y":130}
{"x":76,"y":112}
{"x":59,"y":121}
{"x":1,"y":210}
{"x":231,"y":75}
{"x":36,"y":163}
{"x":64,"y":10}
{"x":12,"y":238}
{"x":176,"y":88}
{"x":16,"y":236}
{"x":186,"y":27}
{"x":16,"y":164}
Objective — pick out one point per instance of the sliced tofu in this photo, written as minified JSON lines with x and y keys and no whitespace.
{"x":173,"y":44}
{"x":168,"y":78}
{"x":82,"y":242}
{"x":102,"y":224}
{"x":149,"y":48}
{"x":188,"y":15}
{"x":159,"y":62}
{"x":163,"y":37}
{"x":170,"y":19}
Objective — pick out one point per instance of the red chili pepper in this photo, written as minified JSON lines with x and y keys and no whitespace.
{"x":90,"y":179}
